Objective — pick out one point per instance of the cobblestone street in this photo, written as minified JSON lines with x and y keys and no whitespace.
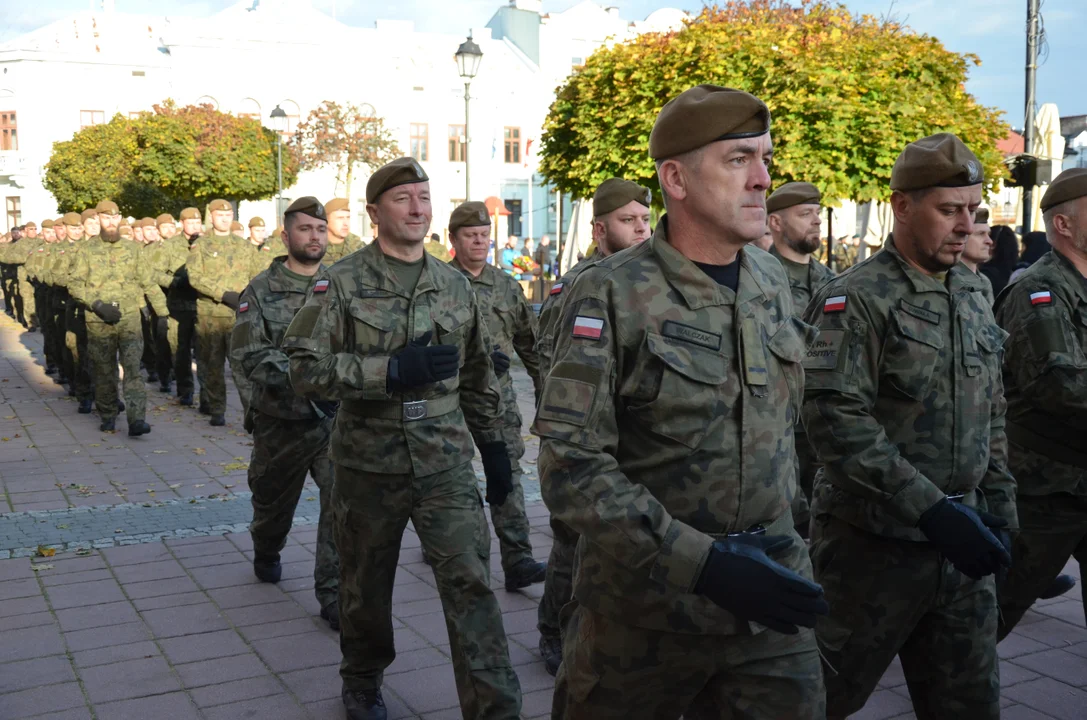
{"x":149,"y":607}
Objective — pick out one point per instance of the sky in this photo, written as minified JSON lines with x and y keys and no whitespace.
{"x":995,"y":30}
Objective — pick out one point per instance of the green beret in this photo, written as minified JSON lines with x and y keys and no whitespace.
{"x":706,"y":114}
{"x":219,"y":206}
{"x":402,"y":171}
{"x":165,"y":219}
{"x":614,"y":193}
{"x":31,"y":224}
{"x":469,"y":214}
{"x":88,"y":213}
{"x":790,"y":194}
{"x":108,"y":207}
{"x":337,"y":204}
{"x":308,"y":205}
{"x":190,"y":213}
{"x":48,"y":223}
{"x":940,"y":160}
{"x":72,"y":218}
{"x":148,"y":222}
{"x":256,"y":222}
{"x":981,"y":216}
{"x":1069,"y":185}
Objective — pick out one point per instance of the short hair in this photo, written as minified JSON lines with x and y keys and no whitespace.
{"x":1066,"y":208}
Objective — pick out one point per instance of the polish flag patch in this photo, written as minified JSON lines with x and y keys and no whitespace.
{"x":588,"y":328}
{"x":320,"y":286}
{"x":556,"y":289}
{"x":1041,"y":298}
{"x":834,"y":304}
{"x":244,"y":307}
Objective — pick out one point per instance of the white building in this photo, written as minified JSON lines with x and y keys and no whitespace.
{"x":255,"y":55}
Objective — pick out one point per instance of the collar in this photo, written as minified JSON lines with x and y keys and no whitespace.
{"x":384,"y":279}
{"x":960,"y":276}
{"x":486,"y":277}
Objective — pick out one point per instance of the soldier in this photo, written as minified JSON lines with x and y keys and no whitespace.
{"x":236,"y":228}
{"x":108,"y":280}
{"x":257,"y":232}
{"x":511,"y":325}
{"x":137,"y":231}
{"x":150,"y":231}
{"x":56,"y":269}
{"x":157,"y":358}
{"x":403,"y":444}
{"x":36,"y":274}
{"x":166,"y":226}
{"x":181,"y":300}
{"x":979,"y":248}
{"x":19,"y":253}
{"x":436,"y":249}
{"x":290,"y":434}
{"x":673,"y":459}
{"x":904,"y":406}
{"x":1046,"y":385}
{"x":220,"y":267}
{"x":30,"y":230}
{"x":341,"y":241}
{"x":620,"y":220}
{"x":7,"y":274}
{"x":60,"y":229}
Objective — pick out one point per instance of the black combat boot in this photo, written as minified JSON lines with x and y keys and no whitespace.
{"x":331,"y":613}
{"x":525,"y":573}
{"x":185,"y":399}
{"x":217,"y":420}
{"x":152,"y":376}
{"x":551,"y":652}
{"x":140,"y":427}
{"x":1060,"y":585}
{"x":85,"y":406}
{"x":204,"y":408}
{"x":267,"y":569}
{"x":364,"y":705}
{"x":50,"y":369}
{"x":120,"y":405}
{"x":164,"y":386}
{"x":108,"y":425}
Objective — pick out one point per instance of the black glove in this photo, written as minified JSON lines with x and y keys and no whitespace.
{"x":110,"y":314}
{"x":230,"y":299}
{"x":162,"y":327}
{"x":501,"y":362}
{"x":740,"y":577}
{"x":964,"y":536}
{"x":327,"y":408}
{"x":499,"y":472}
{"x":421,"y":364}
{"x":180,"y":279}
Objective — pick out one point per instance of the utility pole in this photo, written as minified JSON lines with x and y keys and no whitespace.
{"x":1028,"y":123}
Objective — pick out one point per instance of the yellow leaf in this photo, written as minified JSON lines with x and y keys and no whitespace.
{"x":44,"y":551}
{"x":175,"y":486}
{"x":159,"y":452}
{"x":199,"y":486}
{"x":44,"y":566}
{"x":199,"y":451}
{"x":236,"y":466}
{"x":9,"y":417}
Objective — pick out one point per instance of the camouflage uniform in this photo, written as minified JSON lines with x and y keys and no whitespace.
{"x":26,"y":288}
{"x":18,"y":290}
{"x":904,"y":405}
{"x":153,"y":259}
{"x":76,"y":360}
{"x":436,"y":249}
{"x":336,"y":252}
{"x":290,"y":437}
{"x":1045,"y":376}
{"x":7,"y":274}
{"x":35,"y":272}
{"x":181,"y":301}
{"x":390,"y":469}
{"x":655,"y":441}
{"x":110,"y":272}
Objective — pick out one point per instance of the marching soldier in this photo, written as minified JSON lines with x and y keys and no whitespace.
{"x":341,"y":241}
{"x":181,"y":301}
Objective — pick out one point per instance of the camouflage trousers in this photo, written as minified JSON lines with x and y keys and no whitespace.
{"x":893,"y":597}
{"x":1052,"y":529}
{"x":559,"y":583}
{"x":182,"y":341}
{"x":370,"y":512}
{"x":104,"y":344}
{"x":283,"y":452}
{"x":245,"y":388}
{"x":26,"y":292}
{"x":612,"y":670}
{"x":806,"y":468}
{"x":78,"y":371}
{"x":509,"y":519}
{"x":156,"y":350}
{"x":41,"y":302}
{"x":58,"y":308}
{"x":7,"y":279}
{"x":213,"y":347}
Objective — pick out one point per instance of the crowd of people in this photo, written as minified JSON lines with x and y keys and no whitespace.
{"x":766,"y":480}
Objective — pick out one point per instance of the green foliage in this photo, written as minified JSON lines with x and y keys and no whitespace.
{"x":846,"y":95}
{"x":95,"y":164}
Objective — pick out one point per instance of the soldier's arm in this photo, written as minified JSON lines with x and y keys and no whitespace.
{"x":252,"y":350}
{"x":201,"y":278}
{"x":582,"y":483}
{"x":480,"y":394}
{"x":77,"y":278}
{"x":151,"y":290}
{"x":997,"y":484}
{"x":840,"y":390}
{"x":524,"y":340}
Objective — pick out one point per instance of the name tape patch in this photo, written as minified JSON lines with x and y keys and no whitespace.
{"x":588,"y":328}
{"x":834,"y":304}
{"x":1041,"y":298}
{"x":823,"y":353}
{"x":244,"y":307}
{"x":320,"y":286}
{"x":690,"y":334}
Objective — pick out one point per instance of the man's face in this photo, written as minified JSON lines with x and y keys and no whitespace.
{"x":472,"y":244}
{"x":30,"y":232}
{"x":545,"y":241}
{"x":766,"y":241}
{"x":511,"y":242}
{"x":403,"y":213}
{"x":221,"y":220}
{"x":307,"y":238}
{"x":800,"y":227}
{"x":91,"y":226}
{"x":339,"y":223}
{"x":727,"y":189}
{"x":60,"y":232}
{"x":939,"y":221}
{"x":257,"y":233}
{"x":167,"y":230}
{"x":979,"y":246}
{"x":16,"y":234}
{"x":137,"y":234}
{"x":49,"y":235}
{"x":622,"y":228}
{"x":193,"y":226}
{"x":151,"y":234}
{"x":109,"y":225}
{"x":75,"y":232}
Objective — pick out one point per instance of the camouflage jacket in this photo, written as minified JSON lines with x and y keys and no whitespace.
{"x":111,"y":272}
{"x":356,"y":317}
{"x":16,"y":252}
{"x":656,"y":438}
{"x":904,"y":402}
{"x":335,"y":253}
{"x":552,"y":310}
{"x":1045,"y":376}
{"x":59,"y":262}
{"x":818,"y":276}
{"x":180,"y":298}
{"x":153,"y":260}
{"x":267,"y":307}
{"x":218,"y":265}
{"x":35,"y":260}
{"x":439,"y":251}
{"x":987,"y":290}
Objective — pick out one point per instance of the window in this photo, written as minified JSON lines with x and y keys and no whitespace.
{"x":293,"y":114}
{"x":576,"y":61}
{"x":249,"y":108}
{"x":9,"y":138}
{"x":15,"y":211}
{"x":513,"y":222}
{"x":419,"y":133}
{"x":513,"y":144}
{"x":91,"y":117}
{"x":134,"y":115}
{"x":456,"y":143}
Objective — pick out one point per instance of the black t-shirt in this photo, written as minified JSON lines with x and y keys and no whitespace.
{"x":727,"y":275}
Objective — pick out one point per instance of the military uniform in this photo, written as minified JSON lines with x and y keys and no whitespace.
{"x":154,"y":261}
{"x":338,"y":251}
{"x":35,"y":273}
{"x":441,"y":252}
{"x":181,"y":301}
{"x":77,"y":367}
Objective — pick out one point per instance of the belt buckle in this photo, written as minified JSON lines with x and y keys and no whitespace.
{"x":753,"y":530}
{"x":415,"y":410}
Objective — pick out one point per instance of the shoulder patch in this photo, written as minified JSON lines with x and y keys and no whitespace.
{"x":320,"y":286}
{"x":589,"y":328}
{"x":556,"y":289}
{"x":834,"y":304}
{"x":1042,"y":297}
{"x":823,"y":353}
{"x":244,"y":307}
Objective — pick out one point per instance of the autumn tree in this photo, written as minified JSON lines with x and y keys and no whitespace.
{"x":344,"y":136}
{"x":846,"y":94}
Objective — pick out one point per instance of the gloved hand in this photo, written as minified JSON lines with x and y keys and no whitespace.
{"x":964,"y":536}
{"x":180,"y":279}
{"x":498,"y":470}
{"x":327,"y":408}
{"x":501,"y":362}
{"x":421,"y":364}
{"x":162,"y":327}
{"x":230,"y":299}
{"x":740,"y":576}
{"x":110,"y":314}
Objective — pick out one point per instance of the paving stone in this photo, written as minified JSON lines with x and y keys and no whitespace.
{"x":232,"y":692}
{"x":24,"y":606}
{"x":128,"y":679}
{"x":220,"y":670}
{"x":80,"y":618}
{"x":297,"y":652}
{"x":883,"y":705}
{"x":166,"y":601}
{"x":171,"y":622}
{"x":314,"y":684}
{"x":146,"y":572}
{"x":158,"y":588}
{"x":190,"y":648}
{"x":137,"y":554}
{"x":115,"y":653}
{"x":246,"y":595}
{"x":44,"y":700}
{"x":106,"y":636}
{"x":26,"y":674}
{"x":279,"y":707}
{"x":427,"y":689}
{"x":1050,"y":696}
{"x":266,"y":630}
{"x":84,"y":594}
{"x":175,"y":706}
{"x":32,"y":642}
{"x":1016,"y":644}
{"x":12,"y":589}
{"x":1058,"y":664}
{"x":1054,"y":633}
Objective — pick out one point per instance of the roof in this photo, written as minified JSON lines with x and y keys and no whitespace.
{"x":1011,"y":145}
{"x":1073,"y":125}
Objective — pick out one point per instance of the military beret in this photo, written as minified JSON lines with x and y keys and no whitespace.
{"x":108,"y":207}
{"x":940,"y":160}
{"x":981,"y":216}
{"x":47,"y":223}
{"x":614,"y":193}
{"x":307,"y":205}
{"x":337,"y":204}
{"x":124,"y":231}
{"x":58,"y":221}
{"x":124,"y":223}
{"x":32,"y":224}
{"x":72,"y":218}
{"x":402,"y":171}
{"x":147,"y":222}
{"x":256,"y":222}
{"x":88,"y":213}
{"x":706,"y":114}
{"x":1069,"y":185}
{"x":219,"y":205}
{"x":469,"y":214}
{"x":165,"y":219}
{"x":190,"y":213}
{"x":236,"y":226}
{"x":790,"y":194}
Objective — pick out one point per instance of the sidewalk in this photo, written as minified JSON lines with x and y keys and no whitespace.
{"x":165,"y":619}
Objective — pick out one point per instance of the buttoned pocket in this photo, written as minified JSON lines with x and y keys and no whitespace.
{"x":375,"y":324}
{"x":452,"y":325}
{"x":788,"y":346}
{"x":910,"y":355}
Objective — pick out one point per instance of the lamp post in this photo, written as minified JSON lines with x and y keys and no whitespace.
{"x":468,"y":57}
{"x":279,"y":124}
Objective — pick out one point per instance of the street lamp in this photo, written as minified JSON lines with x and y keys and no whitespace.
{"x":279,"y":124}
{"x":468,"y":57}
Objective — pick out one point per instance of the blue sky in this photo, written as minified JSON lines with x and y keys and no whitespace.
{"x":992,"y":29}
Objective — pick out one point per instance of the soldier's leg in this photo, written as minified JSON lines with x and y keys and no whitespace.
{"x":82,"y":381}
{"x":509,"y":519}
{"x":448,"y":516}
{"x":17,"y":296}
{"x":559,"y":585}
{"x":369,"y":515}
{"x":130,"y":342}
{"x":163,"y":357}
{"x":102,"y":348}
{"x":283,"y":451}
{"x":326,"y":571}
{"x":30,"y":308}
{"x":9,"y":303}
{"x":42,"y":305}
{"x":214,"y":335}
{"x":185,"y":324}
{"x":147,"y":331}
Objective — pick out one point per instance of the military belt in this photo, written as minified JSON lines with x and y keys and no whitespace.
{"x":407,"y":411}
{"x":779,"y":526}
{"x":1052,"y":449}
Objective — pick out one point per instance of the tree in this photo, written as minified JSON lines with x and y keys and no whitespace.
{"x":846,"y":95}
{"x":344,"y":136}
{"x":93,"y":165}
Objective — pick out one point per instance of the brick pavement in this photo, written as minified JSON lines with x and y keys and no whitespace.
{"x":179,"y":628}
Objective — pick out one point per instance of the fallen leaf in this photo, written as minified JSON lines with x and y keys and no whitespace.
{"x":175,"y":486}
{"x":239,"y":459}
{"x":62,"y":527}
{"x":83,"y":551}
{"x":311,"y":499}
{"x":5,"y":439}
{"x":18,"y":435}
{"x":192,"y":501}
{"x":229,"y":486}
{"x":199,"y":486}
{"x":44,"y":551}
{"x":159,"y":452}
{"x":9,"y":417}
{"x":236,"y":466}
{"x":118,"y":530}
{"x":43,"y":566}
{"x":199,"y":451}
{"x":29,"y":424}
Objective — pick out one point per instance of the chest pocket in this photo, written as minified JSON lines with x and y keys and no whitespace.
{"x":279,"y":310}
{"x":376,"y":324}
{"x":452,"y":325}
{"x":910,"y":355}
{"x":788,"y":345}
